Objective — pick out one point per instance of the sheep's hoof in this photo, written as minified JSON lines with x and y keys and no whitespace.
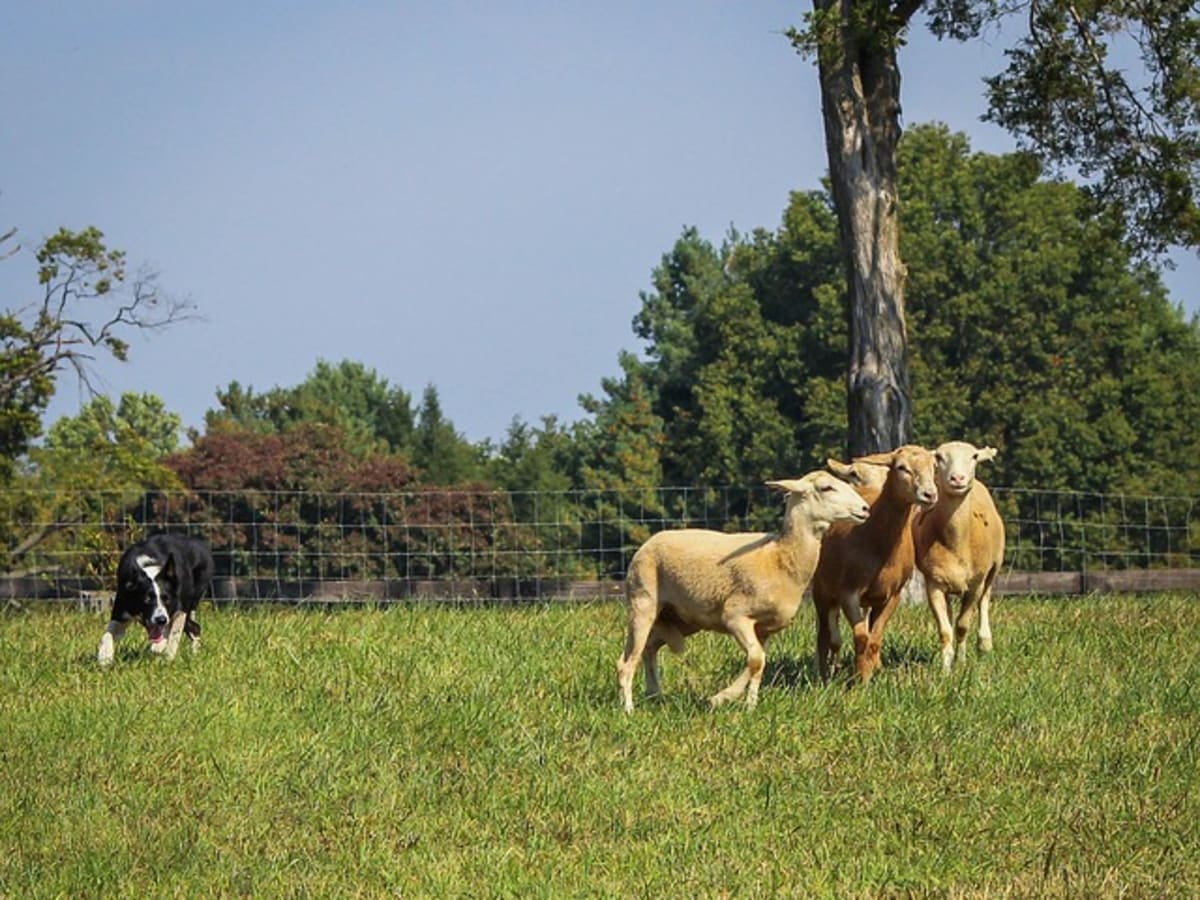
{"x":985,"y":645}
{"x":947,"y":659}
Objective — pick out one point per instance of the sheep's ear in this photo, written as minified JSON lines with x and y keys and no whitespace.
{"x":787,"y":485}
{"x":844,"y":471}
{"x":985,"y":454}
{"x":877,"y":459}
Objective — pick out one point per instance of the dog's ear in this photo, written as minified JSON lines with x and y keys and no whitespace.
{"x":170,"y":569}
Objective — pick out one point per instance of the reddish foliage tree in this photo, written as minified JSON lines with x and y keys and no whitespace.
{"x":298,"y":504}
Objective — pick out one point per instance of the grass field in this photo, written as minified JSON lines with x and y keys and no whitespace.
{"x":451,"y":751}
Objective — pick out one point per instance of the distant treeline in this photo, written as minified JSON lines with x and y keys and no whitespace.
{"x":1033,"y":325}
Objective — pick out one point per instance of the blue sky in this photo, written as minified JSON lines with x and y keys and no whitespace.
{"x":467,"y":194}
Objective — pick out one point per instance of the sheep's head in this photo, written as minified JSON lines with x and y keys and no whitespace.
{"x":911,"y":472}
{"x":956,"y":462}
{"x":823,"y":498}
{"x":859,"y":472}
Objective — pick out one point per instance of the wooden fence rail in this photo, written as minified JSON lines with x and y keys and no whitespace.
{"x":93,"y":595}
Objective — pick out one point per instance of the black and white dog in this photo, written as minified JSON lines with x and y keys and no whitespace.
{"x":159,"y":583}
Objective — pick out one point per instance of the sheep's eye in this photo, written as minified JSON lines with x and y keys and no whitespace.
{"x":826,"y":488}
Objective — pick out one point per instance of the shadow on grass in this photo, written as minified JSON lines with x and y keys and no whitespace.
{"x":800,"y":672}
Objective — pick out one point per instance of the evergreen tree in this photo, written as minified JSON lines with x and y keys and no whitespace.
{"x":535,"y":459}
{"x":443,"y":455}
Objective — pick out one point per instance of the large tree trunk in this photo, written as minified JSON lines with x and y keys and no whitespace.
{"x":860,"y":95}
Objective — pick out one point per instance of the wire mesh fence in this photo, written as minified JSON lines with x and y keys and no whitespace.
{"x":291,"y":545}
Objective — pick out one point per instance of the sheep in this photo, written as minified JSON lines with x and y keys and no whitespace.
{"x":859,"y":473}
{"x":867,"y":566}
{"x":747,"y":585}
{"x":960,"y":547}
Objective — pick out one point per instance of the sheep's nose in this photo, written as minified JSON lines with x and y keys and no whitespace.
{"x":928,"y":496}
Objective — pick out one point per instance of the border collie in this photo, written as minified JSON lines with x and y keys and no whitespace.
{"x":159,"y":583}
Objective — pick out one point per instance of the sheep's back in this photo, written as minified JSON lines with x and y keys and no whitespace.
{"x":957,"y":563}
{"x":694,"y":570}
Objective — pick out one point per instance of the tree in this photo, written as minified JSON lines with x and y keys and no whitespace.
{"x":621,"y":448}
{"x":7,"y":236}
{"x":86,"y":306}
{"x":744,"y":344}
{"x":443,"y":455}
{"x":92,"y":469}
{"x":540,"y":459}
{"x":621,"y":465}
{"x":368,"y":408}
{"x":1065,"y":94}
{"x":1037,"y":329}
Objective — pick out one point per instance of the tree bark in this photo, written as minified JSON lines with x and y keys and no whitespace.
{"x":860,"y":98}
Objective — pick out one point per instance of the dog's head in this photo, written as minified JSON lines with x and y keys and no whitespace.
{"x":148,"y":590}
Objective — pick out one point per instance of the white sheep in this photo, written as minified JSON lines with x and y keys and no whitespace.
{"x":748,"y":585}
{"x":960,"y":546}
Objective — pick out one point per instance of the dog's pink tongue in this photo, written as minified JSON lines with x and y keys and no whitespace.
{"x":156,"y":635}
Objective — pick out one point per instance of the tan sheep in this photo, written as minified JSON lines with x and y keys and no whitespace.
{"x":960,"y":547}
{"x":859,"y":473}
{"x":747,"y":585}
{"x":863,"y":568}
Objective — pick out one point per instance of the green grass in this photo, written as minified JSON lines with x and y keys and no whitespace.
{"x":482,"y":751}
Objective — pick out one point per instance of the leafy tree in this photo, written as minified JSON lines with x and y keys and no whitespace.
{"x":1067,"y":94}
{"x":621,"y":462}
{"x":92,"y":468}
{"x":139,"y":429}
{"x":368,"y":408}
{"x":87,"y":305}
{"x":744,"y":345}
{"x":622,"y":445}
{"x":303,"y":503}
{"x":535,"y":458}
{"x":1038,"y":329}
{"x":538,"y":468}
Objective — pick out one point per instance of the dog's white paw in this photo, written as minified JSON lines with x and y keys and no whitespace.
{"x":104,"y":656}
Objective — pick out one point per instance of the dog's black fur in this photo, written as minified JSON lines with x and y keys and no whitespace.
{"x":185,"y":571}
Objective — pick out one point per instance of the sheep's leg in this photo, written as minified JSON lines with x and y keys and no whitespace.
{"x":643,"y":610}
{"x":937,"y":605}
{"x":833,"y":622}
{"x":749,"y":680}
{"x":650,"y":665}
{"x":879,"y":621}
{"x":829,"y":641}
{"x":962,"y":625}
{"x":862,"y":635}
{"x":985,"y":614}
